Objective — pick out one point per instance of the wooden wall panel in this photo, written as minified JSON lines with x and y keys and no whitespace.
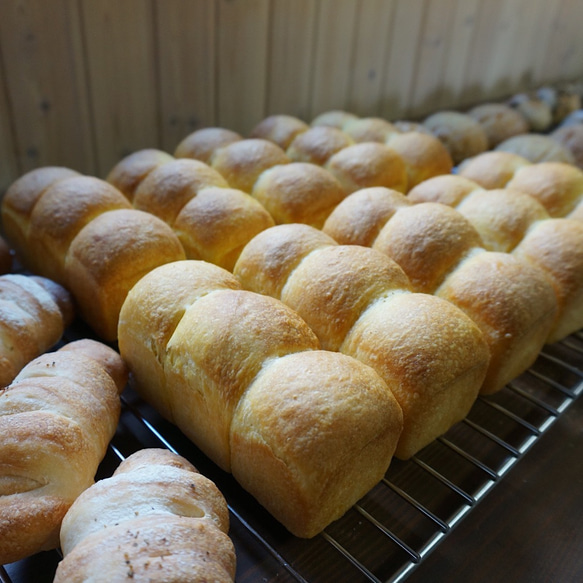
{"x":242,"y":28}
{"x":185,"y":40}
{"x":9,"y":169}
{"x":84,"y":82}
{"x":46,"y":84}
{"x":123,"y":80}
{"x":373,"y":33}
{"x":333,"y":55}
{"x":432,"y":53}
{"x":402,"y":58}
{"x":291,"y":51}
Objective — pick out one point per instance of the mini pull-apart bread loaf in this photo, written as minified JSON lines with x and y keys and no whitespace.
{"x":512,"y":221}
{"x":306,"y":431}
{"x":156,"y":519}
{"x":56,"y":420}
{"x":360,"y":303}
{"x":34,"y":313}
{"x":441,"y":252}
{"x":83,"y":233}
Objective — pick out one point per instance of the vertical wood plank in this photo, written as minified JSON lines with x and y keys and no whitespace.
{"x":46,"y":86}
{"x":185,"y":33}
{"x":546,"y":23}
{"x":481,"y":50}
{"x":432,"y":53}
{"x":402,"y":58}
{"x":463,"y":24}
{"x":333,"y":55}
{"x":122,"y":77}
{"x":242,"y":63}
{"x":291,"y":51}
{"x":9,"y":170}
{"x":373,"y":28}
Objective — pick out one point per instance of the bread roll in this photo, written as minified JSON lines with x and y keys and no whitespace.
{"x":212,"y":221}
{"x":33,"y":316}
{"x":537,"y":112}
{"x":279,"y":129}
{"x":512,"y":221}
{"x":442,"y":254}
{"x":537,"y":148}
{"x":157,"y":516}
{"x":359,"y":302}
{"x":306,"y":431}
{"x":108,"y":256}
{"x":202,"y":144}
{"x":556,"y":185}
{"x":499,"y":121}
{"x":492,"y":169}
{"x":298,"y":193}
{"x":368,"y":164}
{"x":571,"y":138}
{"x":241,"y":163}
{"x":56,"y":420}
{"x":461,"y":134}
{"x":318,"y":144}
{"x":369,"y":129}
{"x":19,"y":200}
{"x":335,"y":118}
{"x":424,"y":156}
{"x":129,"y":172}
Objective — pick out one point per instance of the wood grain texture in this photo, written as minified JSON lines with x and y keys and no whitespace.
{"x":185,"y":41}
{"x":122,"y":77}
{"x":333,"y":55}
{"x":9,"y":169}
{"x":242,"y":29}
{"x":46,"y":86}
{"x":291,"y":50}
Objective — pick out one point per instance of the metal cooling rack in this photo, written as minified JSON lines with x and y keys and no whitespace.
{"x":404,"y":518}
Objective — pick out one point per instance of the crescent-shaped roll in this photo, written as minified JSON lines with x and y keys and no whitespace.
{"x":157,"y":516}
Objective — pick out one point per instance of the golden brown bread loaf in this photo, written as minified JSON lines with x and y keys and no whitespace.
{"x":359,"y":302}
{"x":34,"y":313}
{"x":368,"y":164}
{"x":492,"y":169}
{"x":305,"y":431}
{"x":298,"y":193}
{"x":424,"y":156}
{"x":318,"y":144}
{"x":201,"y":144}
{"x":279,"y":129}
{"x":369,"y":129}
{"x":537,"y":148}
{"x":241,"y":162}
{"x":212,"y":221}
{"x":335,"y":118}
{"x":83,"y":233}
{"x":19,"y":200}
{"x":571,"y":137}
{"x":56,"y":420}
{"x":129,"y":172}
{"x":461,"y":134}
{"x":499,"y":121}
{"x":442,"y":253}
{"x":156,"y":517}
{"x":512,"y":221}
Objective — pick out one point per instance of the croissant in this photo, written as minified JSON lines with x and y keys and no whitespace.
{"x":156,"y":518}
{"x":360,"y":302}
{"x":442,"y":253}
{"x":56,"y":420}
{"x":514,"y":222}
{"x":34,"y":313}
{"x":84,"y":234}
{"x":306,"y":431}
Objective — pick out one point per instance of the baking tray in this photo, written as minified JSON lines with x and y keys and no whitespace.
{"x":403,"y":519}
